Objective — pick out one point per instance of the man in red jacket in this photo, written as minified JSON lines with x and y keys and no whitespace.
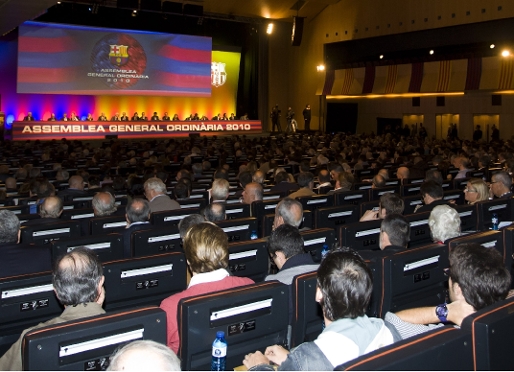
{"x":206,"y":249}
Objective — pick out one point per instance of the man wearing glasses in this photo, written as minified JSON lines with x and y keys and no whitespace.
{"x":500,"y":186}
{"x":477,"y":278}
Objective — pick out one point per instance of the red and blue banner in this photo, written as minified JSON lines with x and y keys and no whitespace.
{"x":64,"y":59}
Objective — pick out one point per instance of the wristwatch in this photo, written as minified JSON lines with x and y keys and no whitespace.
{"x":441,"y":311}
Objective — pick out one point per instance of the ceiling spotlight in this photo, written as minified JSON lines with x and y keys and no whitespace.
{"x":58,"y":2}
{"x":431,"y":52}
{"x":381,"y":56}
{"x":492,"y":46}
{"x":320,"y":68}
{"x":505,"y":53}
{"x":134,"y":13}
{"x":269,"y":30}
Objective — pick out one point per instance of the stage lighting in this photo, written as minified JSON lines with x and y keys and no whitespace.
{"x":269,"y":30}
{"x":505,"y":53}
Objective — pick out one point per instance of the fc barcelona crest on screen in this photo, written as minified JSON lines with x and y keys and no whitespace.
{"x":218,"y":74}
{"x":118,"y":54}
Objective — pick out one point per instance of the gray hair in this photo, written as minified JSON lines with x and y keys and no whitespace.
{"x":444,"y":223}
{"x":288,"y":209}
{"x":101,"y":208}
{"x":9,"y":226}
{"x":188,"y":222}
{"x":156,"y":185}
{"x":76,"y":277}
{"x":220,"y":189}
{"x":161,"y":356}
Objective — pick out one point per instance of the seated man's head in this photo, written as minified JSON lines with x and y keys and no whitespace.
{"x":220,"y":189}
{"x":10,"y":183}
{"x":394,"y":230}
{"x":344,"y":285}
{"x":214,"y":212}
{"x":154,"y":187}
{"x":281,"y":176}
{"x":9,"y":227}
{"x":245,"y":178}
{"x":206,"y":248}
{"x":289,"y":212}
{"x":390,"y":203}
{"x":344,"y":181}
{"x":431,"y":191}
{"x":324,"y":176}
{"x":104,"y":204}
{"x":500,"y":183}
{"x":258,"y":177}
{"x":478,"y":275}
{"x":186,"y":223}
{"x":45,"y":189}
{"x":78,"y":278}
{"x":76,"y":182}
{"x":306,"y":179}
{"x":252,"y":192}
{"x":144,"y":355}
{"x":378,"y":181}
{"x":51,"y":207}
{"x":284,"y":242}
{"x":138,"y":210}
{"x":181,"y":190}
{"x":434,"y":175}
{"x":444,"y":223}
{"x":402,"y":173}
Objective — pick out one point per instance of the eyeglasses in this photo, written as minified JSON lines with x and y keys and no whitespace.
{"x":469,"y":190}
{"x":447,"y":271}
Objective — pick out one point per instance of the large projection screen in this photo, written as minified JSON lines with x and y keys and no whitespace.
{"x":65,"y":59}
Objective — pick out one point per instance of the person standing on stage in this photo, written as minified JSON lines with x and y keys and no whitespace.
{"x":116,"y":117}
{"x":166,"y":117}
{"x":124,"y":117}
{"x":289,"y":118}
{"x":155,"y":117}
{"x":307,"y":117}
{"x":29,"y":117}
{"x":275,"y":119}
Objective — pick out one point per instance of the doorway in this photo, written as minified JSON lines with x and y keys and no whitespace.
{"x":442,"y":124}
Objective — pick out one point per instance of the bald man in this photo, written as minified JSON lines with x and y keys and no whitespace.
{"x":75,"y":189}
{"x":104,"y":204}
{"x":402,"y":173}
{"x":49,"y":211}
{"x":252,"y":192}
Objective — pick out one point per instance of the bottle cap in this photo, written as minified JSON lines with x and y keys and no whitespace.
{"x":220,"y":334}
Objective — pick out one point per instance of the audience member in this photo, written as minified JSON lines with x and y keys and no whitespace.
{"x":104,"y":204}
{"x":75,"y":189}
{"x":394,"y":237}
{"x":206,"y":250}
{"x":389,"y":203}
{"x":431,"y":195}
{"x":137,"y":214}
{"x":282,"y":183}
{"x":144,"y":355}
{"x":78,"y":284}
{"x":306,"y":183}
{"x":49,"y":211}
{"x":155,"y":191}
{"x":476,"y":190}
{"x":477,"y":278}
{"x":289,"y":212}
{"x":344,"y":289}
{"x":187,"y":222}
{"x":444,"y":223}
{"x":252,"y":192}
{"x":215,"y":212}
{"x":220,"y":190}
{"x":500,"y":185}
{"x":344,"y":182}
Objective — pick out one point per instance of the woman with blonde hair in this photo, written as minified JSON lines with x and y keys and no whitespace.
{"x":476,"y":190}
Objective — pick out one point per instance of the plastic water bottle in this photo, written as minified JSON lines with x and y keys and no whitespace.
{"x":253,"y":235}
{"x":324,"y":250}
{"x":219,"y":352}
{"x":495,"y":221}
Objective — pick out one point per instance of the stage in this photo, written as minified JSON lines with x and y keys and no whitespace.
{"x":99,"y":130}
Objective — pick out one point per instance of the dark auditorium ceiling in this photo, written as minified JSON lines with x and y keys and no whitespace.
{"x":15,"y":12}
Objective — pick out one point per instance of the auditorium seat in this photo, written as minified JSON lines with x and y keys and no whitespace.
{"x":317,"y":201}
{"x":193,"y":203}
{"x":307,"y":320}
{"x":410,"y":203}
{"x":443,"y":349}
{"x":249,"y":259}
{"x":351,"y":197}
{"x":485,"y":209}
{"x":239,"y":229}
{"x":375,"y":194}
{"x":108,"y":247}
{"x":492,"y":329}
{"x":46,"y":233}
{"x":143,"y":280}
{"x":314,"y":240}
{"x":261,"y":208}
{"x":87,"y":344}
{"x":360,"y":235}
{"x":237,"y":210}
{"x":252,"y":317}
{"x":419,"y":229}
{"x":25,"y":301}
{"x":173,"y":217}
{"x":333,"y":217}
{"x":108,"y":224}
{"x":156,"y":240}
{"x":411,"y":278}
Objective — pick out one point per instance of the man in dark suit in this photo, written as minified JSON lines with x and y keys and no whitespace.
{"x":76,"y":188}
{"x":394,"y":237}
{"x":29,"y":117}
{"x":14,"y":255}
{"x":124,"y":117}
{"x":432,"y":195}
{"x":282,"y":183}
{"x":166,"y":117}
{"x":500,"y":185}
{"x":137,"y":214}
{"x":154,"y":117}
